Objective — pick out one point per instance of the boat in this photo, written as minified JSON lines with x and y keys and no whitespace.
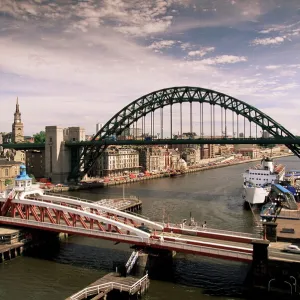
{"x":258,"y":180}
{"x":175,"y":173}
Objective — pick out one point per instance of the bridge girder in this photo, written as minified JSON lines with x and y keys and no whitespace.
{"x":170,"y":96}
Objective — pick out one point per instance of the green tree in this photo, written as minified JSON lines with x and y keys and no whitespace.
{"x":33,"y":178}
{"x":40,"y":137}
{"x":8,"y":182}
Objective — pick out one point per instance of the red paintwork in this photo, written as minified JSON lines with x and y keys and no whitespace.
{"x":210,"y":235}
{"x":159,"y":246}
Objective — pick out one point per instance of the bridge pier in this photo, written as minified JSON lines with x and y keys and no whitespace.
{"x":260,"y":263}
{"x":158,"y":263}
{"x":270,"y":230}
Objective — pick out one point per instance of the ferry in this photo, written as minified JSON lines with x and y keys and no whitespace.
{"x":258,"y":181}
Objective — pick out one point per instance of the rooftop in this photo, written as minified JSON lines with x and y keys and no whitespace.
{"x":5,"y":162}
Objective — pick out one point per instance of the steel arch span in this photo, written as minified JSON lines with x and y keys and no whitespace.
{"x":168,"y":97}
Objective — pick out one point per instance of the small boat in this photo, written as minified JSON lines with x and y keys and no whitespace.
{"x":175,"y":173}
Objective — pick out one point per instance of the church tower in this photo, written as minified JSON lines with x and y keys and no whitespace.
{"x":17,"y":127}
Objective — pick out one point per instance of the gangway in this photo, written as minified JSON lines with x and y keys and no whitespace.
{"x":131,"y":261}
{"x":288,"y":197}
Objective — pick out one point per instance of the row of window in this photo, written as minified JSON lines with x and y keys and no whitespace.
{"x":264,"y":179}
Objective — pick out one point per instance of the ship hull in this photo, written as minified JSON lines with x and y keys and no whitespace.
{"x":255,"y":195}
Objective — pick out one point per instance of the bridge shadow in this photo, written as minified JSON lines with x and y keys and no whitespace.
{"x":214,"y":276}
{"x":79,"y":255}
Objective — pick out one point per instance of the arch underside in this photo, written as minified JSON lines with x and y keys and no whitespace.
{"x":170,"y":96}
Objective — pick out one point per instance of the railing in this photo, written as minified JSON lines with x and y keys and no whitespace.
{"x":287,"y":214}
{"x":76,"y":230}
{"x":92,"y":290}
{"x":211,"y":230}
{"x":132,"y":260}
{"x":138,"y":215}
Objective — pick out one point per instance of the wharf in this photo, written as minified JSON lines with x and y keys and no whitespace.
{"x":93,"y":184}
{"x":11,"y":243}
{"x":101,"y":288}
{"x":129,"y":204}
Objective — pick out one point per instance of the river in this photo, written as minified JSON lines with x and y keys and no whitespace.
{"x":213,"y":196}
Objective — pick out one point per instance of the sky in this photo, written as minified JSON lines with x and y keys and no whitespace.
{"x":77,"y":63}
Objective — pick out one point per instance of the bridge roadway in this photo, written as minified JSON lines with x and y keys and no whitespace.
{"x":46,"y":212}
{"x":199,"y":141}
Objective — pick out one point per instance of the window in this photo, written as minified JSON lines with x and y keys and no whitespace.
{"x":6,"y":172}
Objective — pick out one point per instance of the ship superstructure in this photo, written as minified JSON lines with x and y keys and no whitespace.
{"x":258,"y":180}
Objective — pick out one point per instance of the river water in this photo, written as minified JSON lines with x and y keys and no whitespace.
{"x":213,"y":196}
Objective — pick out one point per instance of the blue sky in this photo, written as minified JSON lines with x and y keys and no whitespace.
{"x":76,"y":63}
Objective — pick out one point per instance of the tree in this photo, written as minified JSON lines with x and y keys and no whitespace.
{"x":33,"y":178}
{"x":40,"y":138}
{"x":8,"y":182}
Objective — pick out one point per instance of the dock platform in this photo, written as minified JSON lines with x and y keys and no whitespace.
{"x":130,"y":203}
{"x":11,"y":243}
{"x":113,"y":282}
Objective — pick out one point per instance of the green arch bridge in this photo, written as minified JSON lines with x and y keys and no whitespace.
{"x":164,"y":109}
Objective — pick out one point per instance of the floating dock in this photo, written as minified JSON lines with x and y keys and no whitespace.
{"x":114,"y":286}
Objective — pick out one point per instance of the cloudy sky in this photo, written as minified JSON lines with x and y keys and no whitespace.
{"x":76,"y":63}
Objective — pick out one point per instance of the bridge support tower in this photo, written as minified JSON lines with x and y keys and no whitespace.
{"x":58,"y":157}
{"x":260,"y":263}
{"x":157,"y":262}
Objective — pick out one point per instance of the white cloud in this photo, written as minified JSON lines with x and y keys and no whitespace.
{"x":269,"y":41}
{"x":76,"y":64}
{"x":273,"y":67}
{"x":287,"y":86}
{"x":186,"y":46}
{"x":224,"y":59}
{"x":164,"y":44}
{"x":284,"y":32}
{"x":203,"y":51}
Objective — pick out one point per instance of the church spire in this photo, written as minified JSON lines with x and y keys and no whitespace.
{"x":17,"y":106}
{"x":17,"y":114}
{"x":17,"y":126}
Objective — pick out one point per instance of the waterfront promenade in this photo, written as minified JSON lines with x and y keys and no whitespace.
{"x":92,"y":183}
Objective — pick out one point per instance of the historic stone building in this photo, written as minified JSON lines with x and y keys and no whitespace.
{"x":8,"y":171}
{"x":17,"y":135}
{"x":117,"y":161}
{"x":152,"y":158}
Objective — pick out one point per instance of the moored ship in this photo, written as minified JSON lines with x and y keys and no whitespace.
{"x":258,"y":181}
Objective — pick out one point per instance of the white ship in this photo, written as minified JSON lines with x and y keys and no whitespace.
{"x":258,"y":180}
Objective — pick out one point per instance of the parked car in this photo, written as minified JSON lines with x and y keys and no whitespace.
{"x":292,"y":249}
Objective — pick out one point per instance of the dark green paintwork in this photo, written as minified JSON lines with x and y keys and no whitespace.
{"x":24,"y":146}
{"x":222,"y":141}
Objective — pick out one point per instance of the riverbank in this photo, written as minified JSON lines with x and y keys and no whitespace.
{"x":95,"y":185}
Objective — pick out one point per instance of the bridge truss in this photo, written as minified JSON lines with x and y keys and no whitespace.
{"x":136,"y":111}
{"x":75,"y":216}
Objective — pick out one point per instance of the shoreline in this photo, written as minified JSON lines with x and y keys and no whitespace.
{"x":150,"y":177}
